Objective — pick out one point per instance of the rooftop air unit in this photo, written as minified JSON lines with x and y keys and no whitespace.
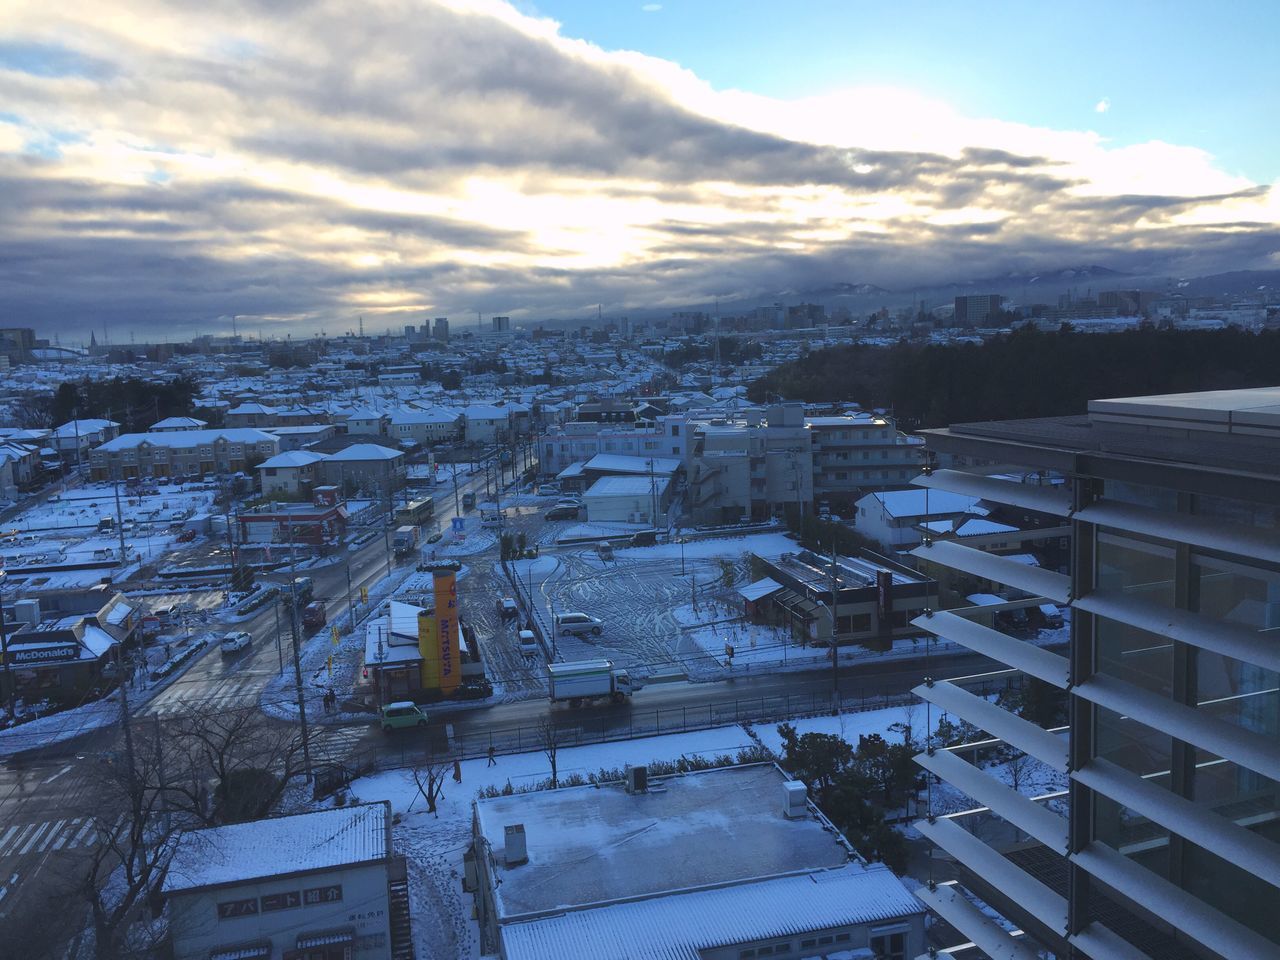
{"x":27,"y":611}
{"x":637,"y":779}
{"x":515,"y":847}
{"x":794,"y":800}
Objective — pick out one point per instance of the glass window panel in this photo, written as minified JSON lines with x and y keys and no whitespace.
{"x":1235,"y":892}
{"x":1141,"y":494}
{"x":1237,"y":793}
{"x":1243,"y":512}
{"x":1136,"y":656}
{"x":1135,"y":566}
{"x":1237,"y":593}
{"x":1133,"y":746}
{"x":1239,"y":693}
{"x":1141,"y":840}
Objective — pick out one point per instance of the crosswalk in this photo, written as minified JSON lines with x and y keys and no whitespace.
{"x":231,"y":695}
{"x":338,"y":744}
{"x":71,"y":833}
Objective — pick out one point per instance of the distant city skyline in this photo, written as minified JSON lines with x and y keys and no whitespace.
{"x":302,"y":165}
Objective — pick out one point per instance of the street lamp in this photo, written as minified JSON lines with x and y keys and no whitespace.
{"x":682,"y":556}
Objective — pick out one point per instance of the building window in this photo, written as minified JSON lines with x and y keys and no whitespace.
{"x":890,"y":946}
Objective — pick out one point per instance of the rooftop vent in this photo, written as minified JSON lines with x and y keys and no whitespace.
{"x":794,"y":797}
{"x":637,"y":779}
{"x":517,"y":850}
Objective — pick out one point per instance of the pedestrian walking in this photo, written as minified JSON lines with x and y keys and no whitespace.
{"x":457,"y":771}
{"x":492,"y":762}
{"x":166,"y":651}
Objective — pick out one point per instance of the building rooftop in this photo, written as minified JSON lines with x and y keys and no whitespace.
{"x":680,"y":927}
{"x":620,"y":463}
{"x":600,"y":844}
{"x":188,"y":438}
{"x":304,"y":842}
{"x":366,"y":451}
{"x":629,"y":486}
{"x":1234,"y":430}
{"x":914,"y":502}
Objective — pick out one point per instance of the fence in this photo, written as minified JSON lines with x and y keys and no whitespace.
{"x":572,"y":730}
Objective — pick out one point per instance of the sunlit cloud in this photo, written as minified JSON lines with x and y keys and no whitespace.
{"x":171,"y":164}
{"x":1102,"y":106}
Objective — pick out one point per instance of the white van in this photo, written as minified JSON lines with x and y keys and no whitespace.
{"x":570,"y":624}
{"x":493,"y":518}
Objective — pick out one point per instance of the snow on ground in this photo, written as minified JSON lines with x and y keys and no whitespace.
{"x":761,"y":544}
{"x":84,"y":506}
{"x":442,"y":922}
{"x":477,"y":540}
{"x":848,"y":726}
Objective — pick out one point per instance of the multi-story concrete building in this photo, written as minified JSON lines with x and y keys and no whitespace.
{"x":440,"y":331}
{"x":739,"y":471}
{"x":863,"y":452}
{"x":181,"y":453}
{"x":973,"y":311}
{"x":425,"y":427}
{"x":1164,"y":839}
{"x":578,"y":442}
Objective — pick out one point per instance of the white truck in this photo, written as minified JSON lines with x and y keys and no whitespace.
{"x":581,"y":681}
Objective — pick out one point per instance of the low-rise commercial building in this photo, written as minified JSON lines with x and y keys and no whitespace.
{"x":717,"y":865}
{"x":628,"y":499}
{"x":876,"y":598}
{"x":324,"y":885}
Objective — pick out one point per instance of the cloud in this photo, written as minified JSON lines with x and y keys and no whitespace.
{"x":651,"y":7}
{"x":1102,"y":106}
{"x":174,"y":162}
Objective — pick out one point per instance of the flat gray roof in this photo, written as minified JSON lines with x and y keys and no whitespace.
{"x":595,"y":845}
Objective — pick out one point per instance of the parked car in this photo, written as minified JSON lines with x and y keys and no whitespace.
{"x":569,"y":502}
{"x":493,"y":518}
{"x":571,"y":624}
{"x":548,"y":489}
{"x":507,"y":607}
{"x":561,"y":512}
{"x":528,"y":643}
{"x":236,"y":641}
{"x":605,"y":549}
{"x":401,"y":714}
{"x":645,"y":538}
{"x":186,"y":536}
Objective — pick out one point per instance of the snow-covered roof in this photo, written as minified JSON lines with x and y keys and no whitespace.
{"x":629,"y":487}
{"x":682,"y":926}
{"x":973,"y":527}
{"x":180,"y":423}
{"x":72,"y":428}
{"x":305,"y":842}
{"x":434,"y":415}
{"x":253,"y":408}
{"x":761,"y":588}
{"x":572,"y":470}
{"x":589,"y":845}
{"x":96,"y":641}
{"x":912,"y":503}
{"x":366,"y":451}
{"x":118,"y":614}
{"x":189,"y":438}
{"x":619,"y":463}
{"x":985,"y":599}
{"x":484,"y":411}
{"x":291,"y":458}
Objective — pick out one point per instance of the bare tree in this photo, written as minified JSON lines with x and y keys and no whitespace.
{"x":248,"y":759}
{"x":429,"y":775}
{"x":549,"y":736}
{"x":133,"y":842}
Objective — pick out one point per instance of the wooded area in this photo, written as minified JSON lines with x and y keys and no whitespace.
{"x":1025,"y":373}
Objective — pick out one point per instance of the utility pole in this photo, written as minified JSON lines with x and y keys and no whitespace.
{"x":835,"y":650}
{"x":4,"y":647}
{"x":351,"y":610}
{"x":279,"y":649}
{"x":164,"y":803}
{"x":457,"y":510}
{"x":297,"y":661}
{"x":128,"y":730}
{"x":120,"y":523}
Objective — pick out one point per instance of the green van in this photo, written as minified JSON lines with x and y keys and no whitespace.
{"x":402,"y":713}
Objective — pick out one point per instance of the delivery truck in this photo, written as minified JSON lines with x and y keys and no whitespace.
{"x":405,"y":540}
{"x":583,"y":681}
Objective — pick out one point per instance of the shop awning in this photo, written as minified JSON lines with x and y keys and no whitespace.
{"x":248,"y":951}
{"x":333,"y":938}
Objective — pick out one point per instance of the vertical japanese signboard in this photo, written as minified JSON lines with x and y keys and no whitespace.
{"x":446,"y":616}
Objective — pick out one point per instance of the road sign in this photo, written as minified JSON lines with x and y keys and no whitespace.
{"x":459,"y":524}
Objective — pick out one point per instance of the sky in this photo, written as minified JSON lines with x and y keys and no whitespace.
{"x":164,"y":165}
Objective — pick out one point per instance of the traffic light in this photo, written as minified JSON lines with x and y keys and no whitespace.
{"x":364,"y":594}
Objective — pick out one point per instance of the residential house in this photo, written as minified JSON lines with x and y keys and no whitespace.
{"x":366,"y":467}
{"x":251,"y":415}
{"x":290,"y":473}
{"x":74,"y":439}
{"x":182,"y":453}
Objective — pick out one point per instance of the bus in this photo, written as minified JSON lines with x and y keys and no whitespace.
{"x":416,"y":512}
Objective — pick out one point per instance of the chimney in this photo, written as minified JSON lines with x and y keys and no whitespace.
{"x":516,"y":849}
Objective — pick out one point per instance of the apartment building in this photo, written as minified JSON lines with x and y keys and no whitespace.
{"x":1164,"y":839}
{"x":578,"y":442}
{"x":181,"y":453}
{"x":858,"y":453}
{"x":425,"y":427}
{"x":738,"y":471}
{"x":74,"y":439}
